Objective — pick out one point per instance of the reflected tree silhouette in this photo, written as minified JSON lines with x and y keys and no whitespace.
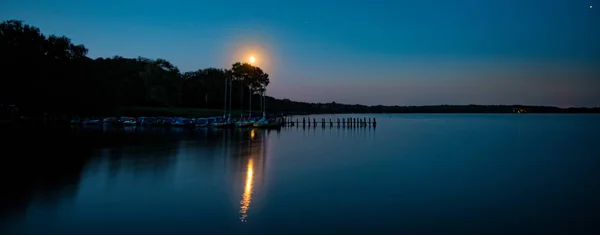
{"x":37,"y":167}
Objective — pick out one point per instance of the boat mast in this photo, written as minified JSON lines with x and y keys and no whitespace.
{"x":242,"y":99}
{"x":225,"y":100}
{"x":260,"y":101}
{"x":230,"y":91}
{"x":250,"y":103}
{"x":264,"y":104}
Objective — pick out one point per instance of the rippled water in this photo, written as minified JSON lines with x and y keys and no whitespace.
{"x":413,"y":174}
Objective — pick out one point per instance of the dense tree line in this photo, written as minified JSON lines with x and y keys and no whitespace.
{"x":51,"y":74}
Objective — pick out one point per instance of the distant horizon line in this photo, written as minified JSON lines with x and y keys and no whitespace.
{"x":397,"y":105}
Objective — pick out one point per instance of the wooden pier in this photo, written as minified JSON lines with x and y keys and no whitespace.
{"x":338,"y":122}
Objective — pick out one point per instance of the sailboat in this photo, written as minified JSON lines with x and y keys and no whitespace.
{"x":264,"y":122}
{"x":226,"y":121}
{"x":248,"y":122}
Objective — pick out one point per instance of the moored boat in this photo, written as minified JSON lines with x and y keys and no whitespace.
{"x":267,"y":124}
{"x":202,"y":122}
{"x":128,"y":121}
{"x":166,"y":120}
{"x":111,"y":121}
{"x":245,"y":123}
{"x":76,"y":122}
{"x":91,"y":122}
{"x":183,"y":122}
{"x":149,"y":121}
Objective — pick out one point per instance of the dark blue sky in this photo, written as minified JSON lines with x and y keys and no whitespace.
{"x":370,"y":52}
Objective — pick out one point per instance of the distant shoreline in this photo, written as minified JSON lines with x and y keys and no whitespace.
{"x":293,"y":110}
{"x":118,"y":86}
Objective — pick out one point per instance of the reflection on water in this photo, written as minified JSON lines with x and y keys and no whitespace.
{"x":247,"y":196}
{"x":255,"y":151}
{"x":518,"y":173}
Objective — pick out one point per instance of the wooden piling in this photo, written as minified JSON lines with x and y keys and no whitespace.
{"x":351,"y":122}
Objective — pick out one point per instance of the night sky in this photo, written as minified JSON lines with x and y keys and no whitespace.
{"x":420,"y":52}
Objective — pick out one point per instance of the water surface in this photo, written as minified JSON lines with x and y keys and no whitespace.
{"x":413,"y":174}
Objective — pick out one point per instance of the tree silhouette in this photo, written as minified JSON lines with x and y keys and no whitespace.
{"x":53,"y":75}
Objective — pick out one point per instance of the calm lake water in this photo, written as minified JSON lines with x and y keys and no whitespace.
{"x":413,"y":174}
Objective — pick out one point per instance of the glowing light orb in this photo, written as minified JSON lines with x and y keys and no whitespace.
{"x":252,"y":59}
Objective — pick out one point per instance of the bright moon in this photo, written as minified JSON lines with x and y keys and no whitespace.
{"x":252,"y":59}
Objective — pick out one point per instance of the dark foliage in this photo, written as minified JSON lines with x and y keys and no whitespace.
{"x":50,"y":74}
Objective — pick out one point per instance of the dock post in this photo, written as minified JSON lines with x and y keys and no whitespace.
{"x":314,"y":122}
{"x":330,"y":123}
{"x":343,"y":122}
{"x":369,"y":121}
{"x":303,"y":121}
{"x":374,"y":122}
